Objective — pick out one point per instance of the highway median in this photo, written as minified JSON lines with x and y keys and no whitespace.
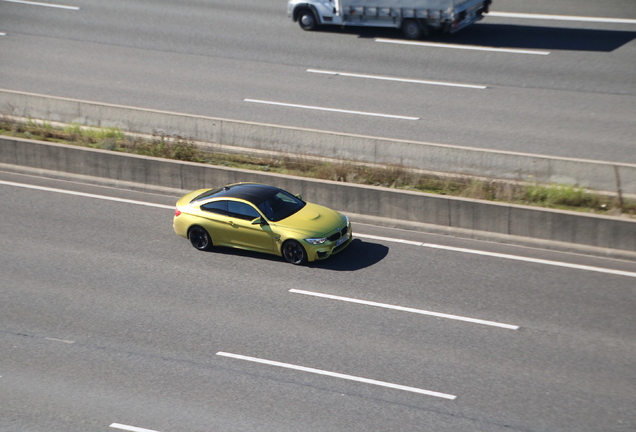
{"x":381,"y":193}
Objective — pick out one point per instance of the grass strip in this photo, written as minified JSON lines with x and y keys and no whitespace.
{"x":556,"y":196}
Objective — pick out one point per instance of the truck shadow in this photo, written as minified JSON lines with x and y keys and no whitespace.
{"x":512,"y":36}
{"x":543,"y":38}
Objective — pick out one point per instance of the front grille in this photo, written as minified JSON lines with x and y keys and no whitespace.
{"x":339,"y":234}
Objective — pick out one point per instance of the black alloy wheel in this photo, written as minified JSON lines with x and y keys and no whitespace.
{"x":294,"y":252}
{"x":199,"y":238}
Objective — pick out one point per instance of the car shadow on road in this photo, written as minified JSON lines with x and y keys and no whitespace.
{"x":512,"y":37}
{"x":358,"y":255}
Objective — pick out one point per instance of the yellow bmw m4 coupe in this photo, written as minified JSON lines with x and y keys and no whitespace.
{"x":261,"y":218}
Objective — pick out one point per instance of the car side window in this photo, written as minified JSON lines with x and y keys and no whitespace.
{"x":218,"y":207}
{"x":242,"y":211}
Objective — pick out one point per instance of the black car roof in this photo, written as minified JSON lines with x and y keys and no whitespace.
{"x":252,"y":192}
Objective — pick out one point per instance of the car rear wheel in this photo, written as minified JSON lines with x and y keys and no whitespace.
{"x":199,"y":238}
{"x":294,"y":252}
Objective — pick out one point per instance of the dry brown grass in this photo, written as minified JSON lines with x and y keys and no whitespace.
{"x":392,"y":176}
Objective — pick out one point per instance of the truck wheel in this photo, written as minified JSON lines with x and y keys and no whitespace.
{"x":307,"y":20}
{"x":411,"y":29}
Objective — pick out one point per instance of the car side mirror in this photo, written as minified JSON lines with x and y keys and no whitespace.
{"x":299,"y":196}
{"x":259,"y":221}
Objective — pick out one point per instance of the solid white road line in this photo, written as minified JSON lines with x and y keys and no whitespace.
{"x":394,"y":240}
{"x":330,"y":109}
{"x":130,"y":428}
{"x":42,"y":4}
{"x":404,"y":80}
{"x":406,"y":309}
{"x":337,"y":375}
{"x":533,"y":260}
{"x":562,"y":17}
{"x":463,"y":47}
{"x":87,"y":195}
{"x":505,"y":256}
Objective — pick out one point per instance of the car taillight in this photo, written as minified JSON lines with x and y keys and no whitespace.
{"x":177,"y":212}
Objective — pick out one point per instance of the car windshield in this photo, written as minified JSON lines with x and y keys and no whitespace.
{"x":280,"y":206}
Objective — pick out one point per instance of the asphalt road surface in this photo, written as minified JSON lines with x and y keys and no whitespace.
{"x":543,"y":86}
{"x":109,"y":321}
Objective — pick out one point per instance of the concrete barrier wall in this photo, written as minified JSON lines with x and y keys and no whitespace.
{"x":471,"y":216}
{"x":426,"y":156}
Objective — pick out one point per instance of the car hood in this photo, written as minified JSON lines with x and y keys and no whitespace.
{"x":313,"y":219}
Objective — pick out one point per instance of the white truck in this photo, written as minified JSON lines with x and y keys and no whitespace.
{"x":416,"y":18}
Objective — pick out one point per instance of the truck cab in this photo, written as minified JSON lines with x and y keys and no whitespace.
{"x":313,"y":13}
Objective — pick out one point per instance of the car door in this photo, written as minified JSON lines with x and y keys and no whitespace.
{"x":243,"y":233}
{"x":216,"y":220}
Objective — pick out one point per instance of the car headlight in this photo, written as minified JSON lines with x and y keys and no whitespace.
{"x":316,"y":241}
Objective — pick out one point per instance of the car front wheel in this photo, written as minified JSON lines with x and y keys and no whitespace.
{"x":199,"y":238}
{"x":294,"y":252}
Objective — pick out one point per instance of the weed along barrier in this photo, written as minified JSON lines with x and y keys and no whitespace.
{"x":555,"y":196}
